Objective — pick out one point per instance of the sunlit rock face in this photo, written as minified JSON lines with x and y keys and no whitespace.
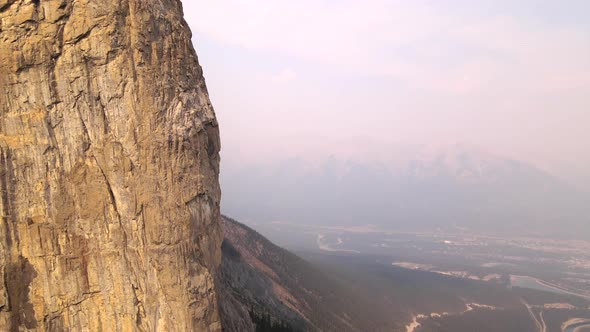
{"x":109,"y":194}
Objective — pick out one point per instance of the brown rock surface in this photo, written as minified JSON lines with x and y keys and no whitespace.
{"x":109,"y":194}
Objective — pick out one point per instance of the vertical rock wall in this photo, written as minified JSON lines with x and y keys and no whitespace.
{"x":109,"y":194}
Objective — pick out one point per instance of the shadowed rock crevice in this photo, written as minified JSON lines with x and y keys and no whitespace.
{"x":18,"y":278}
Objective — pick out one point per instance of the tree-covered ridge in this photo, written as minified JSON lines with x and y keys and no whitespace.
{"x":265,"y":323}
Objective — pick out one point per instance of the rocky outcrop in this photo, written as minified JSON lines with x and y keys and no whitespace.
{"x":109,"y":194}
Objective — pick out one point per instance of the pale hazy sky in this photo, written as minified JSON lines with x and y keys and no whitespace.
{"x":510,"y":77}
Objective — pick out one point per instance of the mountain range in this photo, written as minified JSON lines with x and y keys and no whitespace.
{"x":453,"y":189}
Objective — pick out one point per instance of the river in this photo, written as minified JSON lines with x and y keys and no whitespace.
{"x":572,"y":327}
{"x":533,"y":283}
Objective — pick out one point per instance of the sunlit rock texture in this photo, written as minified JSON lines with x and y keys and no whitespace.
{"x":109,"y":194}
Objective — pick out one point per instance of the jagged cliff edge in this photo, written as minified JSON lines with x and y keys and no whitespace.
{"x":109,"y":194}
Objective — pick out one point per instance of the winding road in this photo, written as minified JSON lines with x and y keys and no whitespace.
{"x":540,"y":323}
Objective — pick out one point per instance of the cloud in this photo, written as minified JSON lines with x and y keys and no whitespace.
{"x":507,"y":75}
{"x":284,"y":75}
{"x":436,"y":48}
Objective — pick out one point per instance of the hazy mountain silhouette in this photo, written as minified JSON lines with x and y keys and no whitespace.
{"x":450,"y":189}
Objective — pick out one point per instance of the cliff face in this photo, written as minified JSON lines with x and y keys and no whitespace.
{"x":109,"y":194}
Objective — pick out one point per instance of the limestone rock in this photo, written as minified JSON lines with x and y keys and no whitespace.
{"x":109,"y":194}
